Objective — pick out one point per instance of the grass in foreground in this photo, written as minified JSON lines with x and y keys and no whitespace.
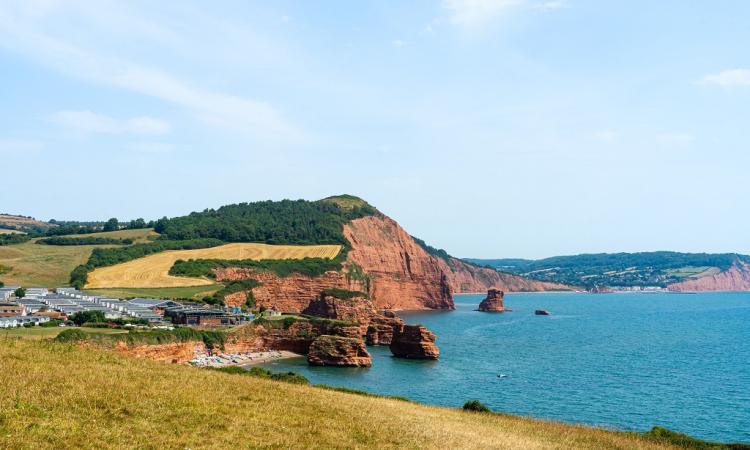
{"x":62,"y":396}
{"x":51,"y":332}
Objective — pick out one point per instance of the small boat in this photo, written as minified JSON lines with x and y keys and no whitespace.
{"x":503,"y":375}
{"x":542,"y":312}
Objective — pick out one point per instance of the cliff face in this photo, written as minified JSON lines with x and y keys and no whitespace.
{"x":396,"y":272}
{"x":466,"y":278}
{"x":289,"y":294}
{"x":737,"y":278}
{"x":403,"y":276}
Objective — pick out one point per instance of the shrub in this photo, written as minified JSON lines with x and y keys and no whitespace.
{"x":667,"y":436}
{"x":50,"y":324}
{"x":287,"y":377}
{"x":83,"y":317}
{"x":88,"y":240}
{"x":71,"y":335}
{"x":476,"y":405}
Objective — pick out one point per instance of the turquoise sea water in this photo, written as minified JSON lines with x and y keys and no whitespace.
{"x":623,"y":361}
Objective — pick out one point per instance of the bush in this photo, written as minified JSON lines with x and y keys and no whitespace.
{"x":50,"y":324}
{"x":666,"y":436}
{"x":311,"y":267}
{"x":88,"y":240}
{"x":20,"y":292}
{"x":287,"y":377}
{"x":71,"y":335}
{"x":476,"y":405}
{"x":83,"y":317}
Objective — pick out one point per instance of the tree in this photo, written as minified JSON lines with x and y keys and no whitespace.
{"x":83,"y":317}
{"x":137,"y":223}
{"x":112,"y":225}
{"x":20,"y":292}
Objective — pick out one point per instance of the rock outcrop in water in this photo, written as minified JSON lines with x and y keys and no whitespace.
{"x":414,"y":342}
{"x":381,"y":328}
{"x":338,"y":351}
{"x":493,"y":302}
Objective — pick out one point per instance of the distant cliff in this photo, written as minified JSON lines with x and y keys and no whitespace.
{"x":736,"y":278}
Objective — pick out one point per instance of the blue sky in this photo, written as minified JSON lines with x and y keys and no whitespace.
{"x":505,"y":128}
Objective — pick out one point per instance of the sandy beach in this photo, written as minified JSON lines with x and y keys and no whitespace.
{"x":242,"y":359}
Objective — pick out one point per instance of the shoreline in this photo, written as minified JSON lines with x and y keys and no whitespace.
{"x":242,"y":359}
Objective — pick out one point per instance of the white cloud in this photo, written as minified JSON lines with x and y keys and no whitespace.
{"x":89,"y":122}
{"x":475,"y":13}
{"x":26,"y":35}
{"x":675,"y":139}
{"x":729,"y":78}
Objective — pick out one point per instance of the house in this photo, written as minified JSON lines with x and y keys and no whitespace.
{"x":30,"y":306}
{"x":5,"y":294}
{"x":8,"y":309}
{"x":156,"y":305}
{"x":201,"y":317}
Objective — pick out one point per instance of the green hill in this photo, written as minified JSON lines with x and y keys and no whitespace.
{"x":618,"y":269}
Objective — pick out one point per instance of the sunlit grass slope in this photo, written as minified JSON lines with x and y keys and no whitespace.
{"x":50,"y":265}
{"x":59,"y":396}
{"x":153,"y":271}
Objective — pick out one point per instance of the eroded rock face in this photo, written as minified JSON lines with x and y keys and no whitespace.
{"x":736,"y":278}
{"x":493,"y":302}
{"x":467,"y":278}
{"x":356,"y":309}
{"x":338,"y":351}
{"x":402,"y":275}
{"x":414,"y":342}
{"x":290,"y":294}
{"x":381,"y":328}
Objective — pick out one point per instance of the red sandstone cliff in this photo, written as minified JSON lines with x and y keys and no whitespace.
{"x":402,"y":275}
{"x":736,"y":278}
{"x":398,"y":274}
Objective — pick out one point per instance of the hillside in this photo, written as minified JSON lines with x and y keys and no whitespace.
{"x":672,"y":270}
{"x":23,"y":223}
{"x":58,"y":396}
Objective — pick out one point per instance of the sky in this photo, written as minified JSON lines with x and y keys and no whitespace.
{"x":489,"y":128}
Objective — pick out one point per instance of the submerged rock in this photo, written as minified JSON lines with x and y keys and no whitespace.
{"x":338,"y":351}
{"x":493,"y":302}
{"x":414,"y":342}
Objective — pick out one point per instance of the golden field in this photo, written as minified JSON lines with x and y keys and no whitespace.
{"x":35,"y":265}
{"x":153,"y":271}
{"x":60,"y":396}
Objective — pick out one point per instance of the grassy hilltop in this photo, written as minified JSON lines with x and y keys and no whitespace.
{"x":60,"y":396}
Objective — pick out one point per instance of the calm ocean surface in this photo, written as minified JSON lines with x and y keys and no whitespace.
{"x":623,"y":361}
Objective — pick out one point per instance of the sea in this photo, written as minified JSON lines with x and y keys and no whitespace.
{"x":620,"y":361}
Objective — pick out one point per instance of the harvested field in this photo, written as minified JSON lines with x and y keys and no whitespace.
{"x":153,"y":271}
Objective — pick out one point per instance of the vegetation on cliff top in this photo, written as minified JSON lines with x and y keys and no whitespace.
{"x":618,"y":269}
{"x":103,"y":400}
{"x":311,"y":267}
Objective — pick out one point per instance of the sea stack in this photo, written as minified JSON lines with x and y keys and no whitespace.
{"x":338,"y":351}
{"x":414,"y":342}
{"x":493,"y":302}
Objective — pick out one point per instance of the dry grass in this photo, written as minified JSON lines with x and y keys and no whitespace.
{"x":153,"y":271}
{"x":41,"y":265}
{"x":21,"y":221}
{"x":60,"y":396}
{"x":50,"y":265}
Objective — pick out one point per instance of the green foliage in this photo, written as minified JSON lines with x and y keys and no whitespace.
{"x":71,"y":335}
{"x":137,"y":224}
{"x":83,"y":317}
{"x":476,"y":405}
{"x":20,"y":292}
{"x":2,"y":284}
{"x":287,"y":377}
{"x":666,"y":436}
{"x":51,"y":323}
{"x":13,"y":238}
{"x":4,"y":269}
{"x":111,"y":225}
{"x":232,"y":287}
{"x":84,"y":240}
{"x":311,"y":267}
{"x":284,"y":222}
{"x":437,"y":252}
{"x":79,"y":276}
{"x":615,"y":269}
{"x":344,"y":294}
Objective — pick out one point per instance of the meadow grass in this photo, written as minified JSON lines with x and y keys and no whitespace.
{"x":51,"y":332}
{"x":42,"y":265}
{"x":56,"y":395}
{"x":177,"y":293}
{"x":153,"y":271}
